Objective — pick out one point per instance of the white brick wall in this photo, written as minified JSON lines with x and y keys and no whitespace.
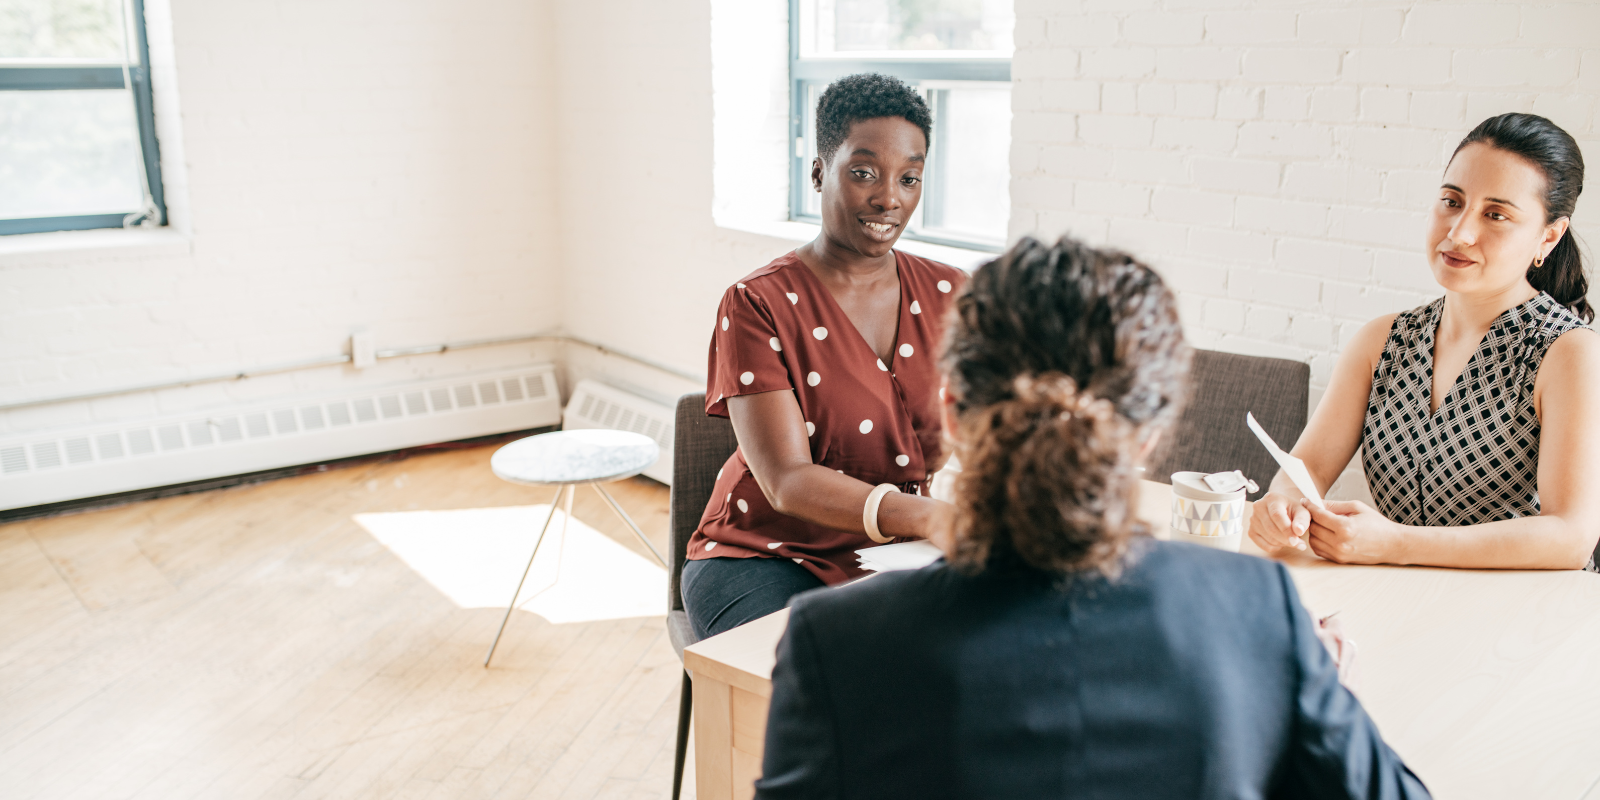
{"x":436,"y":172}
{"x":1274,"y":159}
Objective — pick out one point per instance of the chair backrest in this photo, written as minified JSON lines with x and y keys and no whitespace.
{"x":1211,"y":435}
{"x":701,"y":444}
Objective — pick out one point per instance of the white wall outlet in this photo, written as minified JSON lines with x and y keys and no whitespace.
{"x":363,"y":353}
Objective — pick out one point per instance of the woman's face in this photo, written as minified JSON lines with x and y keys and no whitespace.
{"x":1488,"y":224}
{"x":872,"y":186}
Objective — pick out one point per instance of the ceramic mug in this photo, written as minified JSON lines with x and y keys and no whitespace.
{"x":1204,"y":517}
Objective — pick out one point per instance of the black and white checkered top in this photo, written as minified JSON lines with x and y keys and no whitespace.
{"x":1477,"y":459}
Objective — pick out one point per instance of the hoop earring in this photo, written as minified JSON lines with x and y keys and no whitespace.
{"x":1538,"y":262}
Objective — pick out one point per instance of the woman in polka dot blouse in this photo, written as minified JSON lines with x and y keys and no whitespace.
{"x":824,"y":360}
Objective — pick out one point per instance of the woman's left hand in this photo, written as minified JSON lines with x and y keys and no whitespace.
{"x":1350,"y":532}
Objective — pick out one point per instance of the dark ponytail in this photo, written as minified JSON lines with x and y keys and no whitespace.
{"x":1063,"y":361}
{"x":1545,"y":145}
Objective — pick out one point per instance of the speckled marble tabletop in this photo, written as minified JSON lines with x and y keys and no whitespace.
{"x":580,"y":456}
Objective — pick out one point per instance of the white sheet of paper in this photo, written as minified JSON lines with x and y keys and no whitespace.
{"x":905,"y":555}
{"x":1293,"y":467}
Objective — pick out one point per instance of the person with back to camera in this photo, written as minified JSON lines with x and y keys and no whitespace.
{"x":824,"y":361}
{"x":1477,"y":415}
{"x":1059,"y":650}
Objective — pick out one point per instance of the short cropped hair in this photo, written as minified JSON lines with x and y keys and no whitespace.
{"x":866,"y":95}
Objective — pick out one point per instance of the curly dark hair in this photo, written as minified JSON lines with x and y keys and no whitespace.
{"x":866,"y":95}
{"x":1063,"y":360}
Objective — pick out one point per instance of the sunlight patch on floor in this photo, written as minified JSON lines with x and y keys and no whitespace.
{"x":475,"y":556}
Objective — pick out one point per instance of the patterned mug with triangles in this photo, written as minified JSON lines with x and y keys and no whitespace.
{"x":1205,"y":517}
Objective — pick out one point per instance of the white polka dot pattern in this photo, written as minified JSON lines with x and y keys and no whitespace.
{"x":756,"y":347}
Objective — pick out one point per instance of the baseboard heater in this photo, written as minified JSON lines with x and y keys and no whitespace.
{"x":596,"y":405}
{"x":50,"y":467}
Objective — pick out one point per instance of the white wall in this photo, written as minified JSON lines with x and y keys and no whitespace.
{"x":1274,"y":159}
{"x":645,"y":263}
{"x":331,"y":165}
{"x":439,"y":172}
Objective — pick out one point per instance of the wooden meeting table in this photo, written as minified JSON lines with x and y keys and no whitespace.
{"x":1487,"y":682}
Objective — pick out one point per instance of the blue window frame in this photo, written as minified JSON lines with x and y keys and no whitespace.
{"x":77,"y":123}
{"x":958,"y":54}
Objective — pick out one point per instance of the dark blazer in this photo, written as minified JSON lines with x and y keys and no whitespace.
{"x":1195,"y":674}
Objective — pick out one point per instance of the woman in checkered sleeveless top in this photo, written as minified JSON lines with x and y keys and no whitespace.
{"x":1478,"y":415}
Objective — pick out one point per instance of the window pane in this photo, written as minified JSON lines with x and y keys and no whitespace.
{"x":972,"y":163}
{"x":842,"y":26}
{"x":75,"y":29}
{"x":810,"y":199}
{"x":68,"y":153}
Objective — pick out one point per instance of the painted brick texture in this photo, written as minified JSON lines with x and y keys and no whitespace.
{"x":1275,"y":159}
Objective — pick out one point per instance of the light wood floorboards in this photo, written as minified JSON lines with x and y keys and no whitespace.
{"x":257,"y":643}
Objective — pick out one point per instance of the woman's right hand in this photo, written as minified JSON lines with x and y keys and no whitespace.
{"x":1342,"y":649}
{"x":1277,"y":522}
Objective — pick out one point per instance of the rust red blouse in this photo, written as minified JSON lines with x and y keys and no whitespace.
{"x":780,"y":329}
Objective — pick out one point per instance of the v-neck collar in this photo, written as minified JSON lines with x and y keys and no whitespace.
{"x":1430,"y":335}
{"x":900,"y":316}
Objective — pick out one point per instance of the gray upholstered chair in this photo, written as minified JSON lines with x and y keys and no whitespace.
{"x":700,"y":446}
{"x":1211,"y":435}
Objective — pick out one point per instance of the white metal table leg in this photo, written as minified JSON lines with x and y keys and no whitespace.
{"x":570,"y":490}
{"x":629,"y":522}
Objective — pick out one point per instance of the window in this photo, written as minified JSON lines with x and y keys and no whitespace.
{"x":958,"y":54}
{"x":77,"y":133}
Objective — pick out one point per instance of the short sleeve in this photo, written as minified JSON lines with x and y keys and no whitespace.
{"x":746,"y":354}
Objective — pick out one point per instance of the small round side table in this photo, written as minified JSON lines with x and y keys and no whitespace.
{"x":567,"y":460}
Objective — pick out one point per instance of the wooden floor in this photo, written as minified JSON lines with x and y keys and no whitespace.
{"x":257,"y":642}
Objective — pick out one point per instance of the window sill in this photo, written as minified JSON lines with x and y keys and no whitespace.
{"x":802,"y":232}
{"x":23,"y":249}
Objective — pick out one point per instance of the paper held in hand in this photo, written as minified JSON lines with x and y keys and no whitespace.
{"x":1293,"y":467}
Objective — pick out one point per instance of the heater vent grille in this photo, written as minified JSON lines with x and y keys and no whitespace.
{"x":109,"y":444}
{"x":595,"y":405}
{"x":29,"y":454}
